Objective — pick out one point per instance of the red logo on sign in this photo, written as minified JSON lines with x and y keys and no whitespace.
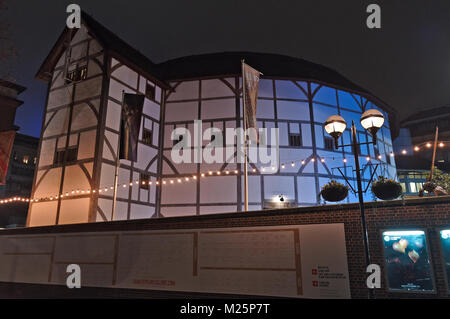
{"x":314,"y":271}
{"x":315,"y":283}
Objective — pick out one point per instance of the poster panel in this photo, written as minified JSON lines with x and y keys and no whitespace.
{"x":300,"y":261}
{"x":407,"y":262}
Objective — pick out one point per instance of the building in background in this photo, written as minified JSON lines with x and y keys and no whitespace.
{"x":19,"y":180}
{"x":87,"y":72}
{"x":18,"y":177}
{"x":414,"y":147}
{"x":9,"y":103}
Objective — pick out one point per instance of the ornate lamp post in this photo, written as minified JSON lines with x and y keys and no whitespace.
{"x":371,"y":120}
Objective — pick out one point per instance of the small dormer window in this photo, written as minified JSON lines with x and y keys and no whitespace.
{"x":77,"y":75}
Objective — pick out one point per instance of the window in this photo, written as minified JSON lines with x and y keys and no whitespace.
{"x":403,"y":187}
{"x":144,"y":179}
{"x":295,"y":140}
{"x":147,"y":136}
{"x":79,"y":74}
{"x":150,"y":92}
{"x":62,"y":156}
{"x":329,"y":143}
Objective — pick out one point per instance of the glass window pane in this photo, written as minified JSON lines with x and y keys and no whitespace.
{"x":445,"y":243}
{"x":407,"y":261}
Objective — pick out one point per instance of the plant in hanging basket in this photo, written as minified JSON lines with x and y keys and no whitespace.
{"x":386,"y":189}
{"x":334,"y":191}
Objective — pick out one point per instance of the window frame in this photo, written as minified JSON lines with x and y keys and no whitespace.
{"x":296,"y":136}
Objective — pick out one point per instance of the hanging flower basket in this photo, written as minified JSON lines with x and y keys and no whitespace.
{"x":386,"y":189}
{"x":334,"y":191}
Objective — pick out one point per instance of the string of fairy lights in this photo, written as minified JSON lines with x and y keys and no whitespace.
{"x":74,"y":193}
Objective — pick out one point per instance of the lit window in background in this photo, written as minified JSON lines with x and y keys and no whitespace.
{"x":25,"y":159}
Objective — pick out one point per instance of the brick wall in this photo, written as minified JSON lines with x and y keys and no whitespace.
{"x":424,"y":213}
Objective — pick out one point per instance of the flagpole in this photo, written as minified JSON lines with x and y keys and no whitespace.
{"x":116,"y":173}
{"x":434,"y":153}
{"x":245,"y":141}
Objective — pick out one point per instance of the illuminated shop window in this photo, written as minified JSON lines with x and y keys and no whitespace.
{"x":445,"y":244}
{"x":407,"y":263}
{"x":403,"y":187}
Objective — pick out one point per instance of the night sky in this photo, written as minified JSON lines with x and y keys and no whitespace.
{"x":406,"y":63}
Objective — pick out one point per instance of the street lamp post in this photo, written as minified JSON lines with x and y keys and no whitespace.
{"x":371,"y":120}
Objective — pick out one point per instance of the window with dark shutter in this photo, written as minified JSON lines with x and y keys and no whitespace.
{"x":71,"y":154}
{"x":59,"y":157}
{"x":77,"y":75}
{"x":295,"y":140}
{"x":63,"y":156}
{"x":150,"y":92}
{"x":147,"y":136}
{"x":329,"y":143}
